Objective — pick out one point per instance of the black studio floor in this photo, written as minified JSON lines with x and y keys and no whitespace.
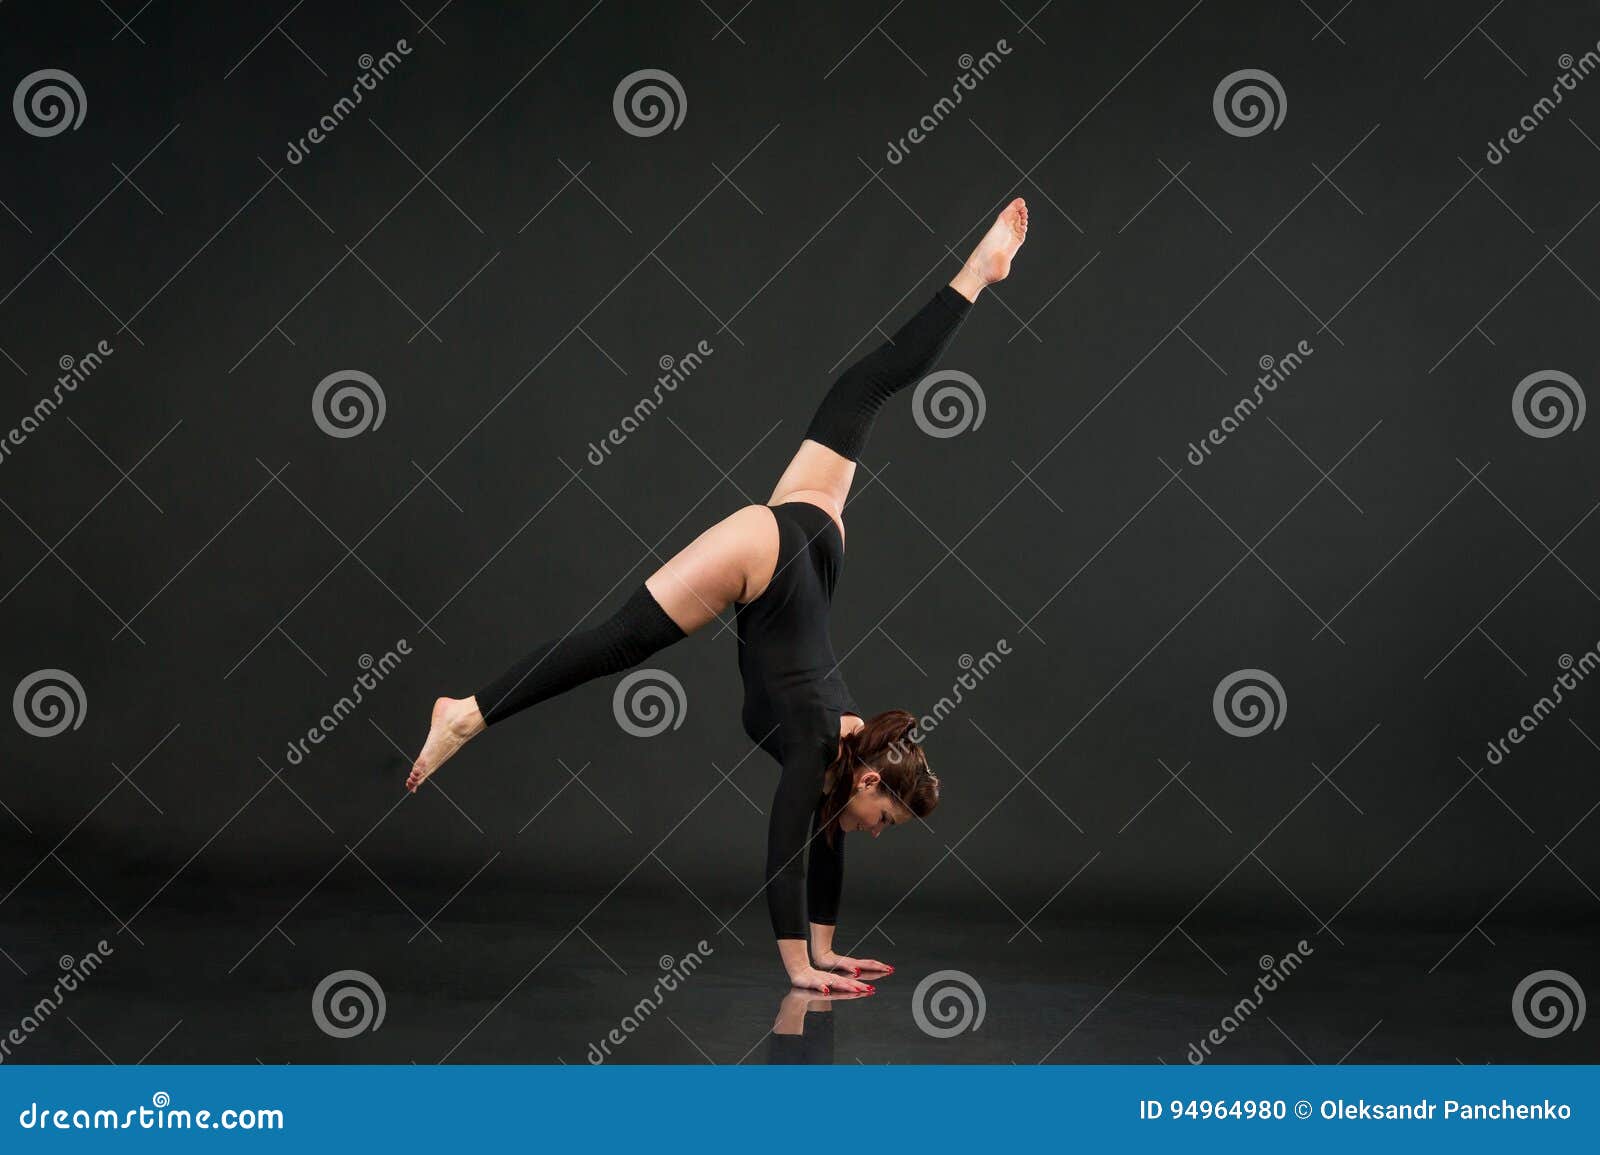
{"x":508,"y":980}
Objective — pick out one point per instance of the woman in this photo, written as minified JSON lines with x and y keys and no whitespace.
{"x":779,"y":564}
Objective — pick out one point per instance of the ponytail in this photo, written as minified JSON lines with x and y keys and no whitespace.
{"x":885,"y":744}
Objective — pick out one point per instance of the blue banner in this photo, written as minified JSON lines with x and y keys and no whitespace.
{"x":877,"y":1109}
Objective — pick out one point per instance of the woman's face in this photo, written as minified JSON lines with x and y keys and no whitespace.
{"x":872,"y":809}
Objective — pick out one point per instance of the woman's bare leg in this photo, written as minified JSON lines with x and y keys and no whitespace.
{"x":822,"y":471}
{"x":454,"y":723}
{"x":730,"y":562}
{"x":734,"y":560}
{"x":991,"y":259}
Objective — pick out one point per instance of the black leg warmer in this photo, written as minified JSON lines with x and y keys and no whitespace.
{"x":637,"y":630}
{"x":845,"y":416}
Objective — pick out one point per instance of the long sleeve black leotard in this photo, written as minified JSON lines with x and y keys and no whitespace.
{"x":793,"y":699}
{"x":794,"y":695}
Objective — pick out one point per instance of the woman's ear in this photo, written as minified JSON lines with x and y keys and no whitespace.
{"x":869,"y":780}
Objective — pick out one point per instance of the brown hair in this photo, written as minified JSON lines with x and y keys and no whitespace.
{"x":884,"y":744}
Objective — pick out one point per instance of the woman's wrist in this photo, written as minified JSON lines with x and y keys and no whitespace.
{"x":796,"y":958}
{"x":821,"y":943}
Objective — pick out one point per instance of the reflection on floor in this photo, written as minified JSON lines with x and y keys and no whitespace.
{"x":217,"y":981}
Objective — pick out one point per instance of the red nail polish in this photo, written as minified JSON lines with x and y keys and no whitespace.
{"x":826,"y":991}
{"x":857,"y":971}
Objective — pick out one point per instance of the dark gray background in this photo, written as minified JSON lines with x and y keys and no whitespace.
{"x":253,"y":559}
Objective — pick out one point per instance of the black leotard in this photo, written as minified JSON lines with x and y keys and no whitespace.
{"x":794,"y":695}
{"x":793,"y":699}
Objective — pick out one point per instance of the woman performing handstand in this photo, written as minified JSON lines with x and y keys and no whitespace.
{"x":779,"y":563}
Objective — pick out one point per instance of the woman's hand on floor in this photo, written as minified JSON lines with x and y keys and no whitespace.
{"x":853,"y":966}
{"x":812,"y":979}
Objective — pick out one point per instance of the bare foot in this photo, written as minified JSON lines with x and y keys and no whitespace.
{"x":454,"y":722}
{"x":991,"y":260}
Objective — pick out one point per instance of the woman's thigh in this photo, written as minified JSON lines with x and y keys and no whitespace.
{"x":731,"y":562}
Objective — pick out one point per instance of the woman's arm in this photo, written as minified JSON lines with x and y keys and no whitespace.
{"x":806,"y":754}
{"x":824,"y":885}
{"x":824,"y":875}
{"x":823,"y":955}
